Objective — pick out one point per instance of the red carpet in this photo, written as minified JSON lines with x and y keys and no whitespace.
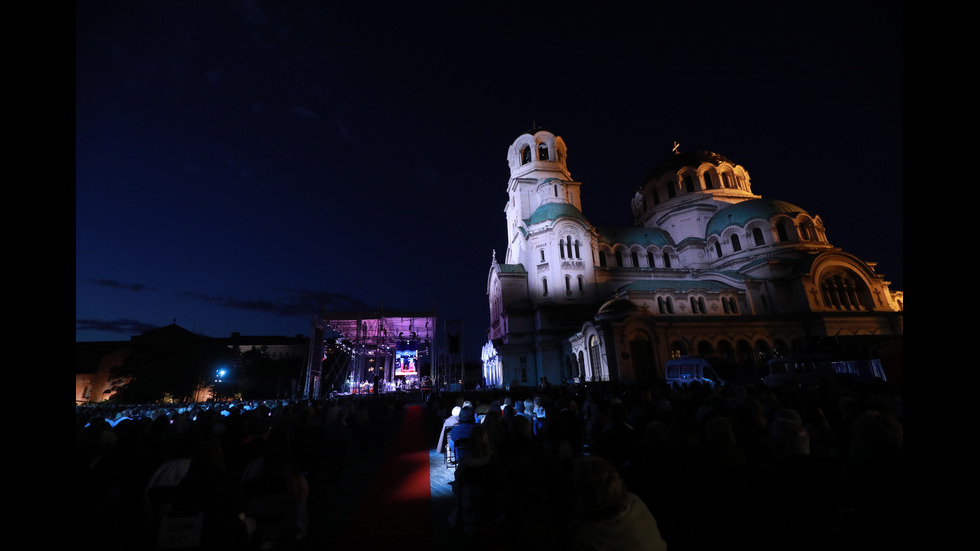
{"x":396,"y":511}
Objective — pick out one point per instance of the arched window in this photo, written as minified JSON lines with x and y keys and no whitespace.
{"x":726,"y":351}
{"x":581,"y":284}
{"x":677,"y":349}
{"x":561,"y":248}
{"x":544,"y":286}
{"x":705,"y":349}
{"x":841,"y":291}
{"x":736,"y":244}
{"x":670,"y":305}
{"x":744,"y":353}
{"x":595,"y":359}
{"x":694,"y":305}
{"x":757,"y":236}
{"x":688,"y":183}
{"x":701,"y":305}
{"x":619,"y":259}
{"x":763,"y":352}
{"x":666,"y":260}
{"x":806,"y":232}
{"x":542,"y":152}
{"x":733,"y":305}
{"x":718,"y":248}
{"x":636,"y":259}
{"x":602,"y":258}
{"x":542,"y":255}
{"x":671,"y":191}
{"x":781,"y":231}
{"x":526,"y":155}
{"x":656,"y":197}
{"x":556,"y":190}
{"x":779,"y":348}
{"x":661,"y":305}
{"x":568,"y":284}
{"x":650,"y":259}
{"x":708,"y":184}
{"x":577,"y":255}
{"x":726,"y":179}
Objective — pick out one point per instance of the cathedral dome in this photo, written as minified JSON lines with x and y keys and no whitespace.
{"x":742,"y":213}
{"x":687,"y":159}
{"x":554,"y":211}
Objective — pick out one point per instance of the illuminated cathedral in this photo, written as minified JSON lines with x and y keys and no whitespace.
{"x":708,"y":268}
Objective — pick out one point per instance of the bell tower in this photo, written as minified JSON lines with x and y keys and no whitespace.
{"x":538,"y":176}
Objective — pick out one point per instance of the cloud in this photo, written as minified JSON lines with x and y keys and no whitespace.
{"x":304,"y":112}
{"x":113,"y":284}
{"x":120,"y":326}
{"x":297,"y":303}
{"x":344,"y":131}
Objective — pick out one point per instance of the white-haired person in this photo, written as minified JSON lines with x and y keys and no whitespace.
{"x":450,"y":421}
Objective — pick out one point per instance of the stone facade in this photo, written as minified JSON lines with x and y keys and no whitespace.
{"x":708,"y":268}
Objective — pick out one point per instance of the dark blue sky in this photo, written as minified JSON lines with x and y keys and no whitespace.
{"x":241,"y":163}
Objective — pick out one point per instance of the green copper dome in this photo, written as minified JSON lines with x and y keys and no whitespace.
{"x":742,"y":213}
{"x":554,"y":211}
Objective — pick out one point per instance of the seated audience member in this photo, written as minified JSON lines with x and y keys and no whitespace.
{"x":450,"y":421}
{"x":461,"y":432}
{"x":608,"y":516}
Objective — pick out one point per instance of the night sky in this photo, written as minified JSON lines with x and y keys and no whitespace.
{"x":241,"y":164}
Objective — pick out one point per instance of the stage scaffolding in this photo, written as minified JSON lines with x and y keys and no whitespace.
{"x":356,"y":352}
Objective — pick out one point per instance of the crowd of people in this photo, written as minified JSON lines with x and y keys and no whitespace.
{"x":550,"y":467}
{"x":685,"y":467}
{"x":247,"y":469}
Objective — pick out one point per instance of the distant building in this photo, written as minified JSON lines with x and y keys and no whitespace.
{"x":708,"y":268}
{"x":94,"y":361}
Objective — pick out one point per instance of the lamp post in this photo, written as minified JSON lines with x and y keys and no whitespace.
{"x":219,"y":377}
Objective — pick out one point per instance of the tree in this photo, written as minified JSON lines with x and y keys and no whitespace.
{"x":174,"y":364}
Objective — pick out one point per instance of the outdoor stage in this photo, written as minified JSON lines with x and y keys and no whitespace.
{"x":379,"y":352}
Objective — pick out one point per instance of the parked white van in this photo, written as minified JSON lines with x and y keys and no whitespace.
{"x":688,"y":369}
